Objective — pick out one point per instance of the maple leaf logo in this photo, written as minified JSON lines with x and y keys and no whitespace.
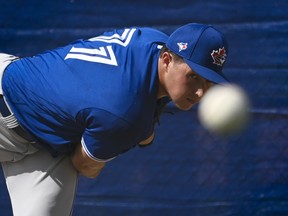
{"x":219,"y":56}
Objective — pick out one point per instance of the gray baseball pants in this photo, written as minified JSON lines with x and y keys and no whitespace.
{"x":38,"y":184}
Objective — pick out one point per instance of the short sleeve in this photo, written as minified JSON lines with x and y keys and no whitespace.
{"x":105,"y":135}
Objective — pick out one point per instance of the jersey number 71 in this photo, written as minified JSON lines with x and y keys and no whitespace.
{"x":103,"y":54}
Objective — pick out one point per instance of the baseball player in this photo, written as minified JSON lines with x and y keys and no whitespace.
{"x":70,"y":110}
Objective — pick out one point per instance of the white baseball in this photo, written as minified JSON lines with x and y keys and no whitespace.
{"x":224,"y":109}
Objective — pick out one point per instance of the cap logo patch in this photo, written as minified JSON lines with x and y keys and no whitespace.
{"x":182,"y":46}
{"x":219,"y":56}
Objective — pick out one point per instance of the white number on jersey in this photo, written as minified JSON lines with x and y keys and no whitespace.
{"x":105,"y":54}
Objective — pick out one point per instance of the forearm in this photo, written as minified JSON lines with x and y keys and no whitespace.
{"x":84,"y":164}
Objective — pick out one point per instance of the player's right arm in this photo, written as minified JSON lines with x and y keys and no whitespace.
{"x":84,"y":164}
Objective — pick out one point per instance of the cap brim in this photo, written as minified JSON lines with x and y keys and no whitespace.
{"x":207,"y":73}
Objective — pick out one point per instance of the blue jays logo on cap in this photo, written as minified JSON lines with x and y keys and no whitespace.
{"x":182,"y":46}
{"x":196,"y":44}
{"x":219,"y":56}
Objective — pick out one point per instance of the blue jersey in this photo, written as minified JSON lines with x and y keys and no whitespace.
{"x":101,"y":92}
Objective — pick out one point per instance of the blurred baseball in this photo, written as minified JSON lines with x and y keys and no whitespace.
{"x":224,"y":109}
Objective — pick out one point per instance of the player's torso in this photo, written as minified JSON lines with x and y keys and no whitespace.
{"x":116,"y":72}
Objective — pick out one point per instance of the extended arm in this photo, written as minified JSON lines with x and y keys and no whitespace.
{"x":84,"y":164}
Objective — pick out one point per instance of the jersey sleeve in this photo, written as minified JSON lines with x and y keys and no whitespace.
{"x":105,"y":135}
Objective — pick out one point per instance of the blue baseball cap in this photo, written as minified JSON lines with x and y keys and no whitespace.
{"x":203,"y":48}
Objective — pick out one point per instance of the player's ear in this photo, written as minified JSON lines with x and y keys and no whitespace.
{"x":166,"y":59}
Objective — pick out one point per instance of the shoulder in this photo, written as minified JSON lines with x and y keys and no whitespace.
{"x":125,"y":35}
{"x":151,"y":35}
{"x":106,"y":135}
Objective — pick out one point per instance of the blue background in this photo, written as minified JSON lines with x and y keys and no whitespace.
{"x":187,"y":171}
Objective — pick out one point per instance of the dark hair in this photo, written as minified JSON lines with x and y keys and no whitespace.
{"x":177,"y":58}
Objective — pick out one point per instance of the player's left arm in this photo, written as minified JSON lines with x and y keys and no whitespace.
{"x":84,"y":164}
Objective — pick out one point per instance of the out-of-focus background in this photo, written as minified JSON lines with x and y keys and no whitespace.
{"x":186,"y":171}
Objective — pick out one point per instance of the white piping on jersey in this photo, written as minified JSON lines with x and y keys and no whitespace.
{"x":92,"y":156}
{"x":122,"y":40}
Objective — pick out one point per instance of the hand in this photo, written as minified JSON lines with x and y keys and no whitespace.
{"x":85,"y":165}
{"x":147,"y":141}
